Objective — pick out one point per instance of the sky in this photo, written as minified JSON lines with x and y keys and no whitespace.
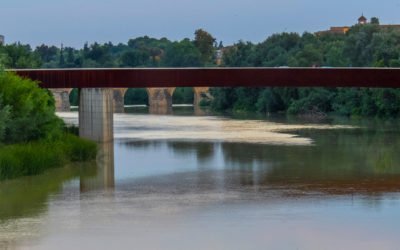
{"x":74,"y":22}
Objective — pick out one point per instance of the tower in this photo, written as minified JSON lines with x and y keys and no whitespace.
{"x":362,"y":20}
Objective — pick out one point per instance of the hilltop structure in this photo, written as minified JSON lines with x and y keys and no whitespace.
{"x":1,"y":39}
{"x":362,"y":20}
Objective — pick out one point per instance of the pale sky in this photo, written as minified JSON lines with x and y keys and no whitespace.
{"x":74,"y":22}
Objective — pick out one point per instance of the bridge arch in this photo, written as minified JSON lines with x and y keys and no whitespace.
{"x":61,"y":98}
{"x":119,"y":99}
{"x":183,"y":95}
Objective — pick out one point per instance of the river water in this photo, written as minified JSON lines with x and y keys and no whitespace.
{"x":212,"y":182}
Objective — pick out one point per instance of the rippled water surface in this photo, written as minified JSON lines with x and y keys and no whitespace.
{"x":208,"y":182}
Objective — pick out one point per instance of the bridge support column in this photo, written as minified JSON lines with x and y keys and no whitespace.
{"x":201,"y":93}
{"x":61,"y":96}
{"x":96,"y":114}
{"x":118,"y":99}
{"x":160,"y":100}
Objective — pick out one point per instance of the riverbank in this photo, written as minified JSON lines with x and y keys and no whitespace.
{"x":32,"y":137}
{"x":34,"y":158}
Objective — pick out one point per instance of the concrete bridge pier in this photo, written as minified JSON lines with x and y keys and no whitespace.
{"x":160,"y":100}
{"x":118,"y":99}
{"x":96,"y":114}
{"x":61,"y":96}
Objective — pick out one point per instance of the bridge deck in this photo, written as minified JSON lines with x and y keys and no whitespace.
{"x":214,"y":77}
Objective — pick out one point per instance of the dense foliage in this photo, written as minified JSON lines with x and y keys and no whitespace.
{"x":369,"y":45}
{"x":26,"y":112}
{"x":33,"y":158}
{"x":32,"y":137}
{"x":138,"y":52}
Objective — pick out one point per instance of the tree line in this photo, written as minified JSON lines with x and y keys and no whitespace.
{"x":369,"y":45}
{"x":137,"y":52}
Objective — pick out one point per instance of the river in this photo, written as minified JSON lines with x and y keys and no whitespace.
{"x":216,"y":182}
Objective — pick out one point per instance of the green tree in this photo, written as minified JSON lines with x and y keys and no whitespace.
{"x":241,"y":54}
{"x":31,"y":110}
{"x":4,"y":118}
{"x":20,"y":56}
{"x":46,"y":53}
{"x":182,"y":54}
{"x":204,"y":42}
{"x":134,"y":58}
{"x":61,"y":64}
{"x":136,"y":96}
{"x":334,"y":57}
{"x":357,"y":45}
{"x":385,"y":47}
{"x":183,"y":95}
{"x":374,"y":20}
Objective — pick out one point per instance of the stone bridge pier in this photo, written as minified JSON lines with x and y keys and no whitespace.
{"x":118,"y":99}
{"x":96,"y":114}
{"x":61,"y":96}
{"x":201,"y":93}
{"x":160,"y":100}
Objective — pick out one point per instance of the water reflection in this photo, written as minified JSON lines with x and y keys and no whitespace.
{"x":160,"y":110}
{"x":104,"y":178}
{"x":199,"y":111}
{"x":343,"y":161}
{"x":340,"y":160}
{"x":27,"y":196}
{"x":25,"y":200}
{"x":178,"y":187}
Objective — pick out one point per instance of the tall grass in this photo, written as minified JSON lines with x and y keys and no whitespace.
{"x":35,"y":157}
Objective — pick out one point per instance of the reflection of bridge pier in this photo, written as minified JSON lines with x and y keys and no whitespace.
{"x":104,"y":178}
{"x":198,"y":111}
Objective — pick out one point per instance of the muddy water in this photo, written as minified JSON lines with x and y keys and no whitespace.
{"x":211,"y":182}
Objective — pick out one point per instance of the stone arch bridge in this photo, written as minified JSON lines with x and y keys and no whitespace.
{"x":160,"y":99}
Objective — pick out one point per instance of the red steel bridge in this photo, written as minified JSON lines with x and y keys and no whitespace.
{"x":214,"y":77}
{"x":98,"y":87}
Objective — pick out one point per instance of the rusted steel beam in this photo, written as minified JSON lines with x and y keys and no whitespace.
{"x":214,"y":77}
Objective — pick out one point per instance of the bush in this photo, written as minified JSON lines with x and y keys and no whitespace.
{"x":35,"y":157}
{"x":78,"y":149}
{"x":312,"y":100}
{"x":33,"y":135}
{"x":28,"y":110}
